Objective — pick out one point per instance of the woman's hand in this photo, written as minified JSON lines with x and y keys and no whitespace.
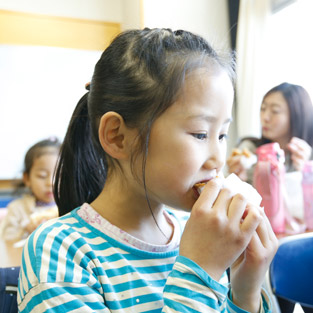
{"x":300,"y":152}
{"x":216,"y":233}
{"x":235,"y":165}
{"x":248,"y":272}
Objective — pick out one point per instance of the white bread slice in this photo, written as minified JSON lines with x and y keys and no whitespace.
{"x":236,"y":185}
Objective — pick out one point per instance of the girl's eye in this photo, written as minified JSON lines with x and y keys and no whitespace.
{"x":200,"y":136}
{"x":41,"y":175}
{"x":275,"y":111}
{"x":222,"y":137}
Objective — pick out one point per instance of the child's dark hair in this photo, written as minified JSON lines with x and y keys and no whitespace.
{"x":50,"y":145}
{"x":138,"y":76}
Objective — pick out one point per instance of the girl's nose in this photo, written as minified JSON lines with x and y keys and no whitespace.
{"x":216,"y":157}
{"x":265,"y":115}
{"x":49,"y":180}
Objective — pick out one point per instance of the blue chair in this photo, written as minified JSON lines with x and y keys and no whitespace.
{"x":291,"y":271}
{"x":8,"y":289}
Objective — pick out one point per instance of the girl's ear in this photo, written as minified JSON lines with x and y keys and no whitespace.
{"x":26,"y":179}
{"x":115,"y":136}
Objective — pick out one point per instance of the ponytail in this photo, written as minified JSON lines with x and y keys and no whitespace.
{"x":81,"y":172}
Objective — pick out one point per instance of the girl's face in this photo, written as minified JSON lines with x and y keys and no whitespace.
{"x":188,"y":141}
{"x":275,"y":118}
{"x":40,"y":177}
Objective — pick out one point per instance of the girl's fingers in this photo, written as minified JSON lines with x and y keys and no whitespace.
{"x":263,"y":230}
{"x":264,"y":238}
{"x":252,"y":219}
{"x":237,"y":208}
{"x":209,"y":194}
{"x":270,"y":233}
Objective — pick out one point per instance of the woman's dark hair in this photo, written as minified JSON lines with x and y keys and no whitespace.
{"x":50,"y":145}
{"x":300,"y":109}
{"x":138,"y":76}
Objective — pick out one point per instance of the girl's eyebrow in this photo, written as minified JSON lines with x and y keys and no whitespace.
{"x":210,"y":119}
{"x":41,"y":169}
{"x":277,"y":104}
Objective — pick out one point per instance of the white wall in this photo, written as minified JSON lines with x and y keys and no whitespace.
{"x":56,"y":94}
{"x":208,"y":18}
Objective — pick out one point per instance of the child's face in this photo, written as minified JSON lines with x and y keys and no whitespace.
{"x":188,"y":141}
{"x":40,"y":177}
{"x":275,"y":118}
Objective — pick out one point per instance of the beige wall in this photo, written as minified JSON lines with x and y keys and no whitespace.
{"x":103,"y":10}
{"x":208,"y":18}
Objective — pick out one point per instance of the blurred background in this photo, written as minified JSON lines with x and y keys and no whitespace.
{"x":48,"y":50}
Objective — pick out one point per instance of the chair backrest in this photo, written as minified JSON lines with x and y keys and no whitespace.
{"x":291,"y":271}
{"x":8,"y":289}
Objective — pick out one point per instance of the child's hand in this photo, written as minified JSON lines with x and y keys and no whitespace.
{"x":248,"y":272}
{"x":31,"y":226}
{"x":34,"y":223}
{"x":215,"y":234}
{"x":235,"y":165}
{"x":300,"y":152}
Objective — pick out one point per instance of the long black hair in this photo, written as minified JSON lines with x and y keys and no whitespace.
{"x":138,"y":76}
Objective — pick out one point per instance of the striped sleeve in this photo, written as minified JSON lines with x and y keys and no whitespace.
{"x":190,"y":289}
{"x":62,"y":297}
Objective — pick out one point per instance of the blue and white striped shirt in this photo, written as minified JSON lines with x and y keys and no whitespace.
{"x":70,"y":266}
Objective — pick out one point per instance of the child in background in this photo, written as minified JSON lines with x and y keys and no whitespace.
{"x":153,"y":125}
{"x":28,"y":212}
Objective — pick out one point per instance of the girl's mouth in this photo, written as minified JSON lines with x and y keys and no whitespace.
{"x":198,"y":187}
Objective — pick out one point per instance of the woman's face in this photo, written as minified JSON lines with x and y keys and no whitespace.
{"x":275,"y":118}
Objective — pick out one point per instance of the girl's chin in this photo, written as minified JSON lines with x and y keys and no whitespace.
{"x":186,"y":206}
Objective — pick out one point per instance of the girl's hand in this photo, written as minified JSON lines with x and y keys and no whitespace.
{"x":235,"y":165}
{"x":300,"y":152}
{"x":248,"y":272}
{"x":215,"y":234}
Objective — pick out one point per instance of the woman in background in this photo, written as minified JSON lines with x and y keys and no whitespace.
{"x":286,"y":117}
{"x":28,"y":212}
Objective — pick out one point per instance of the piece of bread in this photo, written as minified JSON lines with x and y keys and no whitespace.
{"x":200,"y":185}
{"x":248,"y":158}
{"x":245,"y":152}
{"x":236,"y":185}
